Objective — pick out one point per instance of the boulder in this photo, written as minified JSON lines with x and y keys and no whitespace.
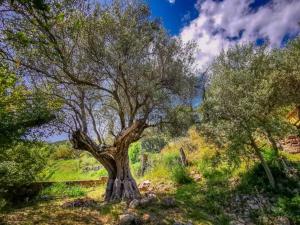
{"x":146,"y":218}
{"x":152,"y":197}
{"x":81,"y":203}
{"x":197,"y":177}
{"x":145,"y":185}
{"x":134,"y":204}
{"x":282,"y":221}
{"x":127,"y":219}
{"x":168,"y":202}
{"x":182,"y":223}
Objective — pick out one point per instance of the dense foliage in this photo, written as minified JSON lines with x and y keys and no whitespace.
{"x":248,"y":99}
{"x":20,"y":108}
{"x":19,"y":165}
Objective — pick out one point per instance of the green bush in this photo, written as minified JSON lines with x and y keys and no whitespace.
{"x":170,"y":159}
{"x":134,"y":152}
{"x":153,"y":144}
{"x":63,"y":190}
{"x":63,"y":151}
{"x":19,"y":166}
{"x":180,"y":175}
{"x":136,"y":169}
{"x":289,"y":207}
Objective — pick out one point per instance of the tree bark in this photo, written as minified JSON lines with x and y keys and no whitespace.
{"x":273,"y":143}
{"x":183,"y":159}
{"x":264,"y":164}
{"x":123,"y":186}
{"x":120,"y":185}
{"x":144,"y":163}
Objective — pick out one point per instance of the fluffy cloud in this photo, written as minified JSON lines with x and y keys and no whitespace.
{"x":172,"y":1}
{"x":222,"y":24}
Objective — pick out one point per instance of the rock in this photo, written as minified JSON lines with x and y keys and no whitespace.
{"x":127,"y":219}
{"x":264,"y":220}
{"x":145,"y":185}
{"x":189,"y":222}
{"x":146,"y":218}
{"x":168,"y":202}
{"x":282,"y":221}
{"x":197,"y":177}
{"x":235,"y":222}
{"x":81,"y":202}
{"x":178,"y":223}
{"x":144,"y":202}
{"x":152,"y":197}
{"x":46,"y":197}
{"x":254,"y":206}
{"x":182,"y":223}
{"x":134,"y":204}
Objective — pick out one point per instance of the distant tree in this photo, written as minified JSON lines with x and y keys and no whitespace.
{"x":135,"y":151}
{"x":179,"y":120}
{"x":153,"y":143}
{"x":286,"y":74}
{"x":114,"y":68}
{"x":244,"y":101}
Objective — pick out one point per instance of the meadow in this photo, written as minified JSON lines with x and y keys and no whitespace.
{"x":208,"y":191}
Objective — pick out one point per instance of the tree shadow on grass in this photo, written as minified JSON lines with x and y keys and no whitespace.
{"x":204,"y":201}
{"x":52,"y":212}
{"x":209,"y":200}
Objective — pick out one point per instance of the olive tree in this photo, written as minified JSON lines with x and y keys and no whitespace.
{"x":115,"y":69}
{"x":243,"y":104}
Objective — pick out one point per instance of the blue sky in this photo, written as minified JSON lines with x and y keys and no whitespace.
{"x":218,"y":24}
{"x":174,"y":15}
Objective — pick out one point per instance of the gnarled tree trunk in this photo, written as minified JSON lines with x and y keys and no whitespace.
{"x":123,"y":187}
{"x":120,"y":184}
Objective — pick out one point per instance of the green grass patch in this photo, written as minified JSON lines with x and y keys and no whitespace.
{"x":180,"y":175}
{"x":63,"y":190}
{"x":72,"y":169}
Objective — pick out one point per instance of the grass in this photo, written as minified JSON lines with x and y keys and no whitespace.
{"x":180,"y":175}
{"x":51,"y":212}
{"x":202,"y":202}
{"x":63,"y":190}
{"x":71,"y":169}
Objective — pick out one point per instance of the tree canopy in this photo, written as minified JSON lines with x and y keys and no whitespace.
{"x":248,"y":98}
{"x":116,"y":71}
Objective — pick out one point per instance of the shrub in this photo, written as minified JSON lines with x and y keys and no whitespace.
{"x":170,"y":159}
{"x":63,"y":151}
{"x":257,"y":178}
{"x":180,"y":175}
{"x":19,"y":166}
{"x":153,"y":144}
{"x":289,"y":207}
{"x":136,"y":168}
{"x":134,"y":152}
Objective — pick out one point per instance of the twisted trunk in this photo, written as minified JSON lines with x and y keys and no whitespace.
{"x":120,"y":184}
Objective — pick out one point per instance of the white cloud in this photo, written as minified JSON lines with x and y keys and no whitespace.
{"x":219,"y":20}
{"x":172,"y":1}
